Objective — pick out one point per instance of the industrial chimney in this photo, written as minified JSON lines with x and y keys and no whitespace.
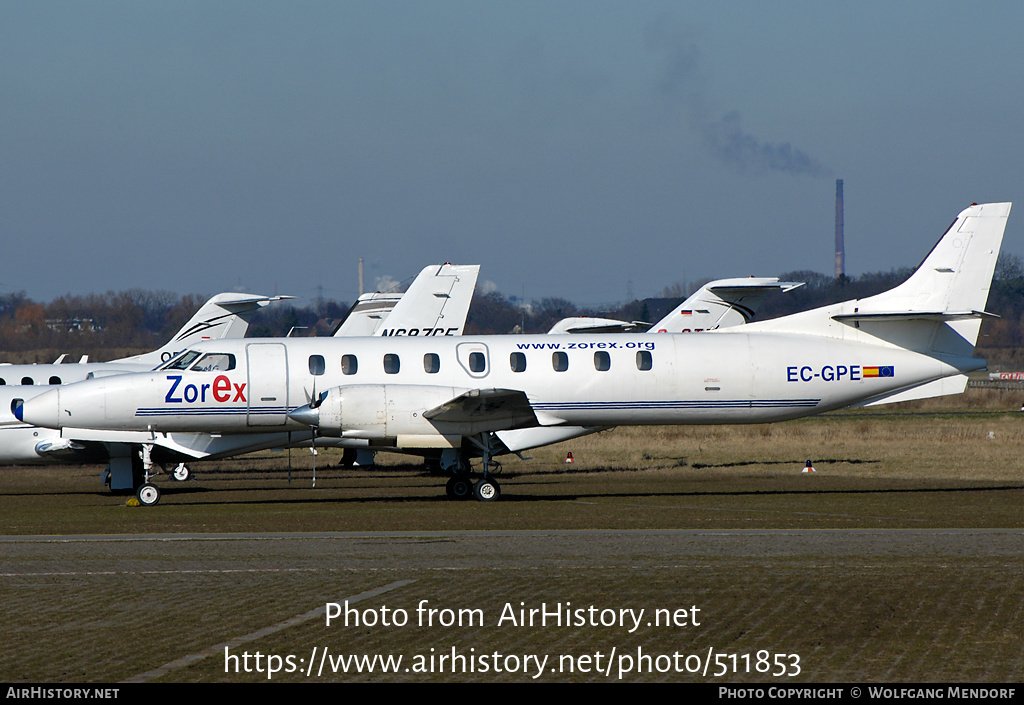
{"x":840,"y":248}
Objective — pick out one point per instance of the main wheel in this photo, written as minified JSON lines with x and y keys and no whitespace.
{"x":486,"y":491}
{"x":459,"y":487}
{"x":181,"y":473}
{"x":148,"y":494}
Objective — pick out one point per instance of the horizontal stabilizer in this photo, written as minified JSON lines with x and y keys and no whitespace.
{"x":914,"y":315}
{"x":936,"y":388}
{"x":587,"y":324}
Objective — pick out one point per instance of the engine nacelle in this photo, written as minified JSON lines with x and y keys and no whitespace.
{"x":392,"y":413}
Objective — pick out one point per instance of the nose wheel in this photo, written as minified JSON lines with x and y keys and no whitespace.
{"x":148,"y":494}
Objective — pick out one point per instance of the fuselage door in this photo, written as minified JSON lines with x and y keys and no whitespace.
{"x":268,"y":384}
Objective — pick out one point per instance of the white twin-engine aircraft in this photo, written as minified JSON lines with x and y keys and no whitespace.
{"x":461,"y":394}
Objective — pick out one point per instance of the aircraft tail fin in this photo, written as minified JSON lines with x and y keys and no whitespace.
{"x":436,"y":303}
{"x":946,"y":295}
{"x":225,"y":315}
{"x":367,"y":313}
{"x":956,"y":275}
{"x":722,"y":303}
{"x":938,"y":310}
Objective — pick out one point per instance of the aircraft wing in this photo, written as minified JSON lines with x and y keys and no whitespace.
{"x":494,"y":408}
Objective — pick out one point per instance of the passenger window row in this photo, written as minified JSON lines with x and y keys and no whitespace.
{"x":602,"y":361}
{"x":478,"y":362}
{"x":28,"y":381}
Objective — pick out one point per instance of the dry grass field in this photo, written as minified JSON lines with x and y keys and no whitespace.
{"x":900,"y":559}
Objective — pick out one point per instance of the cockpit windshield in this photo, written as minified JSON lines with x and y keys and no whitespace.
{"x":208,"y":362}
{"x":219,"y":362}
{"x":181,"y":361}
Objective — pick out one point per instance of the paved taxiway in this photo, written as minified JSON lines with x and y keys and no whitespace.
{"x":854,"y":604}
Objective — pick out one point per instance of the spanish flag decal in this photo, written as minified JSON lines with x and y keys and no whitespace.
{"x":878,"y":372}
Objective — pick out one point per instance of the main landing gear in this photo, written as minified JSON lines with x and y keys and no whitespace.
{"x":461,"y":485}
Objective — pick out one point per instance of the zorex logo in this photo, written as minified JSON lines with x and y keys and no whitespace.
{"x":220,"y":390}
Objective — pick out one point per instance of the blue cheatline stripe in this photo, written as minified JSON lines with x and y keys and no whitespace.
{"x":677,"y":404}
{"x":213,"y":411}
{"x":539,"y":406}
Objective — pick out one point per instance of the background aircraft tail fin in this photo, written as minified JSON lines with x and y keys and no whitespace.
{"x":225,"y":315}
{"x":721,"y":304}
{"x":436,"y":303}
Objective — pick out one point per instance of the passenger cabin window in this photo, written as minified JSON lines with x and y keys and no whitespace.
{"x":349,"y":364}
{"x":3,"y":382}
{"x":55,"y":380}
{"x":643,"y":360}
{"x":477,"y":362}
{"x":602,"y":361}
{"x":215,"y":362}
{"x":560,"y":361}
{"x":517,"y":361}
{"x":317,"y":366}
{"x":27,"y":381}
{"x":431,"y":363}
{"x":391,"y":364}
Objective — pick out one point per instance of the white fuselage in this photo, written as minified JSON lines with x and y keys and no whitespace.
{"x":722,"y":377}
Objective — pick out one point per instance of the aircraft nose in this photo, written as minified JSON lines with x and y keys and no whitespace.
{"x":305,"y":415}
{"x":43,"y":410}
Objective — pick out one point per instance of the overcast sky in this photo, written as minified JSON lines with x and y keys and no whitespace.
{"x":573,"y":149}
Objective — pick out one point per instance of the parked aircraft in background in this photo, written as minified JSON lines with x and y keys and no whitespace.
{"x":456,"y":394}
{"x":721,"y":304}
{"x":436,"y":303}
{"x":717,"y":304}
{"x":224,"y":315}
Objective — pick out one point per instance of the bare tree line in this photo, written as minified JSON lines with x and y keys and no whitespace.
{"x":114,"y":324}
